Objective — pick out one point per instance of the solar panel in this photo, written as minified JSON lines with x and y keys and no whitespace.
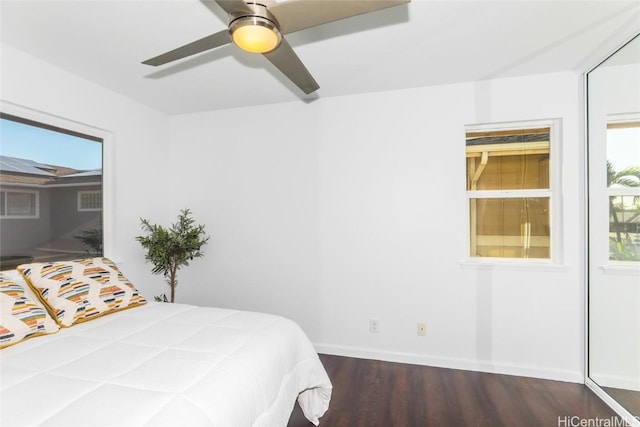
{"x":14,"y":164}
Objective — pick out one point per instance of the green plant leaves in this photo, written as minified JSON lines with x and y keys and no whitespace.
{"x":169,"y":249}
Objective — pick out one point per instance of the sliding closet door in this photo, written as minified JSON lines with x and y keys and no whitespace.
{"x":614,"y":226}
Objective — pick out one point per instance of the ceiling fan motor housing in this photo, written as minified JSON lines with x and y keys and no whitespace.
{"x":259,"y":17}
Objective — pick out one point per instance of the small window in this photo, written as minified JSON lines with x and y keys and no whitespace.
{"x":89,"y":201}
{"x":19,"y":204}
{"x":509,"y":191}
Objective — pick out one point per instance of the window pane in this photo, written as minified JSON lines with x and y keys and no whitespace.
{"x":43,"y":169}
{"x":624,"y":228}
{"x":510,"y":173}
{"x":510,"y":228}
{"x":508,"y":160}
{"x":89,"y":200}
{"x":623,"y":177}
{"x":21,"y":204}
{"x":623,"y":155}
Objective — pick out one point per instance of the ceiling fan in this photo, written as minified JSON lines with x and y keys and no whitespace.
{"x":259,"y":26}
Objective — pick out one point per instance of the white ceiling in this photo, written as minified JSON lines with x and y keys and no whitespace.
{"x":420,"y":44}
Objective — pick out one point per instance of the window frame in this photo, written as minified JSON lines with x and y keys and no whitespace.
{"x":80,"y":200}
{"x":553,"y":193}
{"x":108,"y":157}
{"x":4,"y":194}
{"x":620,"y":121}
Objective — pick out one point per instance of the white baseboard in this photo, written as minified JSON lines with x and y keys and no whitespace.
{"x":452,"y":363}
{"x":616,"y":381}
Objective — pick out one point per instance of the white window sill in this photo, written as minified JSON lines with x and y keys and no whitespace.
{"x":630,"y":270}
{"x":504,"y":264}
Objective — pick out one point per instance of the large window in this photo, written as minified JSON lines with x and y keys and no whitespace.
{"x":623,"y":187}
{"x":509,"y":190}
{"x":50,"y":192}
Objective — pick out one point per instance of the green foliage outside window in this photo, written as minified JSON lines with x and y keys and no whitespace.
{"x":624,"y":215}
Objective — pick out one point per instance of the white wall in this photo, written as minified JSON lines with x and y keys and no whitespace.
{"x":342,"y":210}
{"x":347,"y":209}
{"x":137,"y":146}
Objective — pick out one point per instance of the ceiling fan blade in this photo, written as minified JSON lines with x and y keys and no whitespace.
{"x":206,"y":43}
{"x":296,"y":15}
{"x":234,"y":6}
{"x":286,"y":60}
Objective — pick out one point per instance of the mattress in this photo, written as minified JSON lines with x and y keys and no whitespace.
{"x":164,"y":364}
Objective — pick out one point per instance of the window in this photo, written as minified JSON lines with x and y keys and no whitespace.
{"x":623,"y":190}
{"x":509,"y":190}
{"x":51,"y":180}
{"x":89,"y":201}
{"x":19,"y":204}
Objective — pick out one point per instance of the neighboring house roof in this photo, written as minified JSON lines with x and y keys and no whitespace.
{"x":26,"y":166}
{"x":506,"y":139}
{"x":14,"y":170}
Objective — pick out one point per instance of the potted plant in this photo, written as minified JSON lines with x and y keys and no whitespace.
{"x":169,"y":249}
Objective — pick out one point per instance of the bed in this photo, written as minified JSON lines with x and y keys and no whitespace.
{"x":108,"y":357}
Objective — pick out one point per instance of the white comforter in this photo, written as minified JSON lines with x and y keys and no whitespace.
{"x":164,"y":364}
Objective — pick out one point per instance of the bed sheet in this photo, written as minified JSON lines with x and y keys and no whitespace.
{"x":165,"y":364}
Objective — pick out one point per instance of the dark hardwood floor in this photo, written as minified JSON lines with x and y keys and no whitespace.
{"x":629,"y":399}
{"x":369,"y":393}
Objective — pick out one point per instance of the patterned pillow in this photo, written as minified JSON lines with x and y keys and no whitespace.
{"x":21,"y":315}
{"x":78,"y":291}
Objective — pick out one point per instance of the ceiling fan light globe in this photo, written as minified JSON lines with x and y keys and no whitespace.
{"x":255,"y":34}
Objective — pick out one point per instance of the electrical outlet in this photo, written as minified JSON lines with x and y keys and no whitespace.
{"x":373,"y":326}
{"x":422,"y":329}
